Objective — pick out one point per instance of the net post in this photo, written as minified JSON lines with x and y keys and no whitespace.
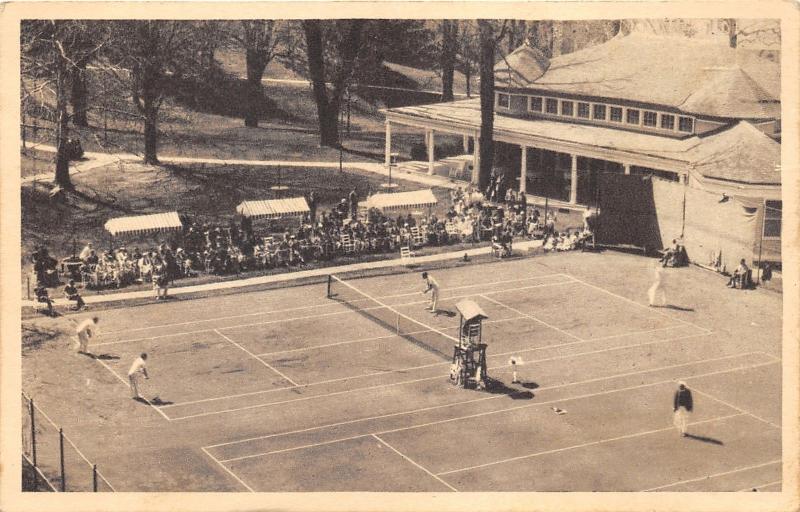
{"x":330,"y":278}
{"x":61,"y":455}
{"x":94,"y":477}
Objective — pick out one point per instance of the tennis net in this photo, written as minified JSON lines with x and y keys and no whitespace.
{"x":424,"y":336}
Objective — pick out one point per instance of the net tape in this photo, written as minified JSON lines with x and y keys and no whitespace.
{"x":424,"y":336}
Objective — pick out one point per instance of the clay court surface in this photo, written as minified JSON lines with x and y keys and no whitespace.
{"x":288,"y":390}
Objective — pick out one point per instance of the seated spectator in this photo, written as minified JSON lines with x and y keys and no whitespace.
{"x":71,"y":293}
{"x":741,"y":276}
{"x":43,"y":297}
{"x":92,"y":259}
{"x":86,"y":251}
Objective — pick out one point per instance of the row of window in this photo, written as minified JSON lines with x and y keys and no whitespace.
{"x":603,"y":112}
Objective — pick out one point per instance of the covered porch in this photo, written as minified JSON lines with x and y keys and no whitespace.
{"x":547,"y":160}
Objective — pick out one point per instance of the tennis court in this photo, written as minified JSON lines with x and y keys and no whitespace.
{"x":344,"y":385}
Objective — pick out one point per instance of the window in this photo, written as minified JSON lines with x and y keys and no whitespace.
{"x":686,"y":124}
{"x":649,"y":118}
{"x":503,"y":100}
{"x":551,"y":106}
{"x":583,"y":110}
{"x":772,"y":219}
{"x":616,"y":114}
{"x":599,"y":112}
{"x":566,"y":108}
{"x":536,"y":104}
{"x":633,"y":116}
{"x":667,"y":121}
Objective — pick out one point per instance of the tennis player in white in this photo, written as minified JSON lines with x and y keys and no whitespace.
{"x":433,"y":287}
{"x":138,"y":367}
{"x":84,"y":331}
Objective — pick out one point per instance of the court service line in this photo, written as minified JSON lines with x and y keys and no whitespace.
{"x":127,"y":385}
{"x":414,"y":463}
{"x":401,"y":370}
{"x":336,"y":393}
{"x":582,"y":445}
{"x":723,"y":473}
{"x":307,"y":317}
{"x":723,"y":402}
{"x":517,"y":311}
{"x":425,"y":409}
{"x":375,"y":338}
{"x":648,"y":308}
{"x":761,"y":486}
{"x":293,"y":383}
{"x":318,"y":305}
{"x":227,"y":470}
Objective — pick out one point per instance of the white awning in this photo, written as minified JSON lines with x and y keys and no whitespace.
{"x":144,"y":223}
{"x":273,"y":208}
{"x":402,"y":200}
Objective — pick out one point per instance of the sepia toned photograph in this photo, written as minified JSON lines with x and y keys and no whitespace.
{"x":400,"y":254}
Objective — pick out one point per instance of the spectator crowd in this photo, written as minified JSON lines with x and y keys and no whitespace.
{"x":343,"y":230}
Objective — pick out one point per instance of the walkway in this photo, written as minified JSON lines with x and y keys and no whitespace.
{"x":288,"y":276}
{"x":94,"y":160}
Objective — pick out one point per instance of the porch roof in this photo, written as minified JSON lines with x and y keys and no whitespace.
{"x":713,"y":156}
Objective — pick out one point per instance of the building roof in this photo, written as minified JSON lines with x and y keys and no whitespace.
{"x":520,"y":67}
{"x":144,"y":223}
{"x":730,"y":92}
{"x":663,"y":71}
{"x":273,"y":208}
{"x":741,"y":153}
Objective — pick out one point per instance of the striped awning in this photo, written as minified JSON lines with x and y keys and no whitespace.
{"x":144,"y":223}
{"x":402,"y":200}
{"x":273,"y":208}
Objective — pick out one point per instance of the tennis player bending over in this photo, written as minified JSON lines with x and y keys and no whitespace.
{"x":433,"y":287}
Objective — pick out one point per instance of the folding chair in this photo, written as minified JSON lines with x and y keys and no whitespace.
{"x":407,"y":255}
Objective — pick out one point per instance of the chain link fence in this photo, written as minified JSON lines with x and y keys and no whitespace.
{"x":55,"y":463}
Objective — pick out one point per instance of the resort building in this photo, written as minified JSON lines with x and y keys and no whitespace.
{"x":692,"y":119}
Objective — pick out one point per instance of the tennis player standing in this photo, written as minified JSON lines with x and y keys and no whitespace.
{"x":139,"y":367}
{"x":84,"y":331}
{"x":433,"y":287}
{"x":681,"y":407}
{"x":656,"y":295}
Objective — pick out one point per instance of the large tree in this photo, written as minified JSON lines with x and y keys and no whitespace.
{"x":146,"y":54}
{"x":53,"y":54}
{"x":332,"y":51}
{"x":447,"y":57}
{"x":261,"y":41}
{"x":489,"y":35}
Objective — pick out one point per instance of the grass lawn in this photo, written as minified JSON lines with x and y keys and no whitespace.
{"x":34,"y":161}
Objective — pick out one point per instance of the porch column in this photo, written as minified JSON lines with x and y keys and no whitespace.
{"x":573,"y":180}
{"x":523,"y":171}
{"x":476,"y":159}
{"x":431,"y":146}
{"x":627,"y":168}
{"x":466,"y":144}
{"x":388,"y":145}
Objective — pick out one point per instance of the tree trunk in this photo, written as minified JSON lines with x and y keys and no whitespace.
{"x":487,"y":44}
{"x":448,"y":57}
{"x":62,"y":127}
{"x":468,"y":77}
{"x":79,"y":95}
{"x":316,"y":71}
{"x":150,"y":132}
{"x":255,"y":71}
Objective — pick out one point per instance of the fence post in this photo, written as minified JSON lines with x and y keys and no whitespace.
{"x":33,"y":432}
{"x":94,"y":477}
{"x":61,"y":453}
